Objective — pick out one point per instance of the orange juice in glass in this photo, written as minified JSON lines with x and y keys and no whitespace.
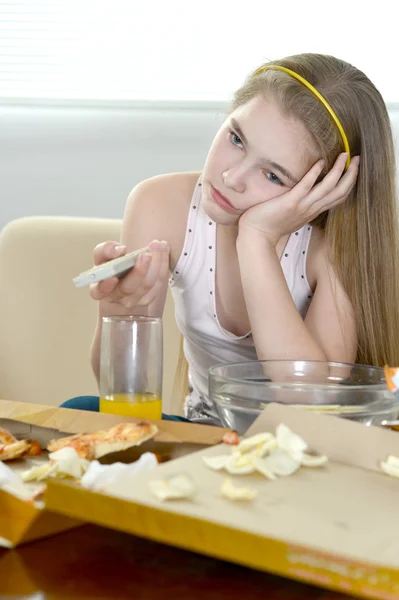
{"x":131,"y":366}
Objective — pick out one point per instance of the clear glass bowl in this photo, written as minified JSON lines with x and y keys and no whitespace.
{"x":240,"y":391}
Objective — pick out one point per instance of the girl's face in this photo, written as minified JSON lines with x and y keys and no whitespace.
{"x":257,"y":154}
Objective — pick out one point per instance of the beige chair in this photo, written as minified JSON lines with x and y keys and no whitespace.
{"x":46,"y":324}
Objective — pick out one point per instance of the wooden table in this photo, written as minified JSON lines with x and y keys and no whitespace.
{"x":92,"y":562}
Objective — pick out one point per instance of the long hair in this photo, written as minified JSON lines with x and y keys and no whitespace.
{"x":361,"y":233}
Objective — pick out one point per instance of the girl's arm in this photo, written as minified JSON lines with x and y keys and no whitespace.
{"x":329,"y":331}
{"x":279,"y":332}
{"x":156,"y":210}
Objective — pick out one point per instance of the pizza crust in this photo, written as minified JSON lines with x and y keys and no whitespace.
{"x":14,"y":450}
{"x":95,"y":445}
{"x":6,"y":437}
{"x":11,"y":448}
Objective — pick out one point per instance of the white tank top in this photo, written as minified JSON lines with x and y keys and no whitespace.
{"x":206,"y":342}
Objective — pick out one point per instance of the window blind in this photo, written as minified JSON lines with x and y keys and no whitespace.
{"x":178,"y":50}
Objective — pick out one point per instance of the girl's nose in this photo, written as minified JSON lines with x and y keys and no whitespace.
{"x":234,"y":180}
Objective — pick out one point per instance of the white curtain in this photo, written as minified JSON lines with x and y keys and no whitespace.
{"x":180,"y":49}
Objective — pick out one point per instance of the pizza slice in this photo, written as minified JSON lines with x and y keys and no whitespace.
{"x":11,"y":448}
{"x":14,"y":450}
{"x":6,"y":437}
{"x":95,"y":445}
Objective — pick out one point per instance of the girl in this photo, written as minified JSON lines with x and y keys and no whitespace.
{"x":285,"y":246}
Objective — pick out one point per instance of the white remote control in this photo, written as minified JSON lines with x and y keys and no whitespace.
{"x":118,"y":267}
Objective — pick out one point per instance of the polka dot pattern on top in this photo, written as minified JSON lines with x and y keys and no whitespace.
{"x":192,"y":284}
{"x":196,"y":266}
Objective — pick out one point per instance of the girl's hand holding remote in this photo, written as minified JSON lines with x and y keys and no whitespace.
{"x":142,"y":284}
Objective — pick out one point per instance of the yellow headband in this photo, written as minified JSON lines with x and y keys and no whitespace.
{"x":320,"y":97}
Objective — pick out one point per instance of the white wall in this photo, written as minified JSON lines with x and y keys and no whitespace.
{"x":83,"y":161}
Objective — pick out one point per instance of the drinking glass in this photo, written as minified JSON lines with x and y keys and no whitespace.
{"x":131,"y":364}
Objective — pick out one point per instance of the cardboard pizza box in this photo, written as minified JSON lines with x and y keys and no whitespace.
{"x":21,"y":521}
{"x":335,"y":527}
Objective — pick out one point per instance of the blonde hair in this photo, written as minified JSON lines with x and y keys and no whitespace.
{"x":361,"y":233}
{"x":180,"y":383}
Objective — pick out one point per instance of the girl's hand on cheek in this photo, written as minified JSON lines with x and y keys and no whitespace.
{"x":302,"y":203}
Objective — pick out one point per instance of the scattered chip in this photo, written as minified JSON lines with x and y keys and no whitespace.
{"x":178,"y":487}
{"x":290,"y":442}
{"x":254,"y":442}
{"x":393,"y":461}
{"x":282,"y":464}
{"x":391,"y":466}
{"x":232,"y":492}
{"x":265,"y":448}
{"x":217,"y":463}
{"x":272,"y":456}
{"x":63,"y":464}
{"x":239,"y":464}
{"x":261,"y":466}
{"x":314,"y":460}
{"x":39,"y":472}
{"x":68,"y":462}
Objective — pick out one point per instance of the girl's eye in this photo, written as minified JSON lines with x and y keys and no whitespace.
{"x":235,"y":139}
{"x":273,"y":178}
